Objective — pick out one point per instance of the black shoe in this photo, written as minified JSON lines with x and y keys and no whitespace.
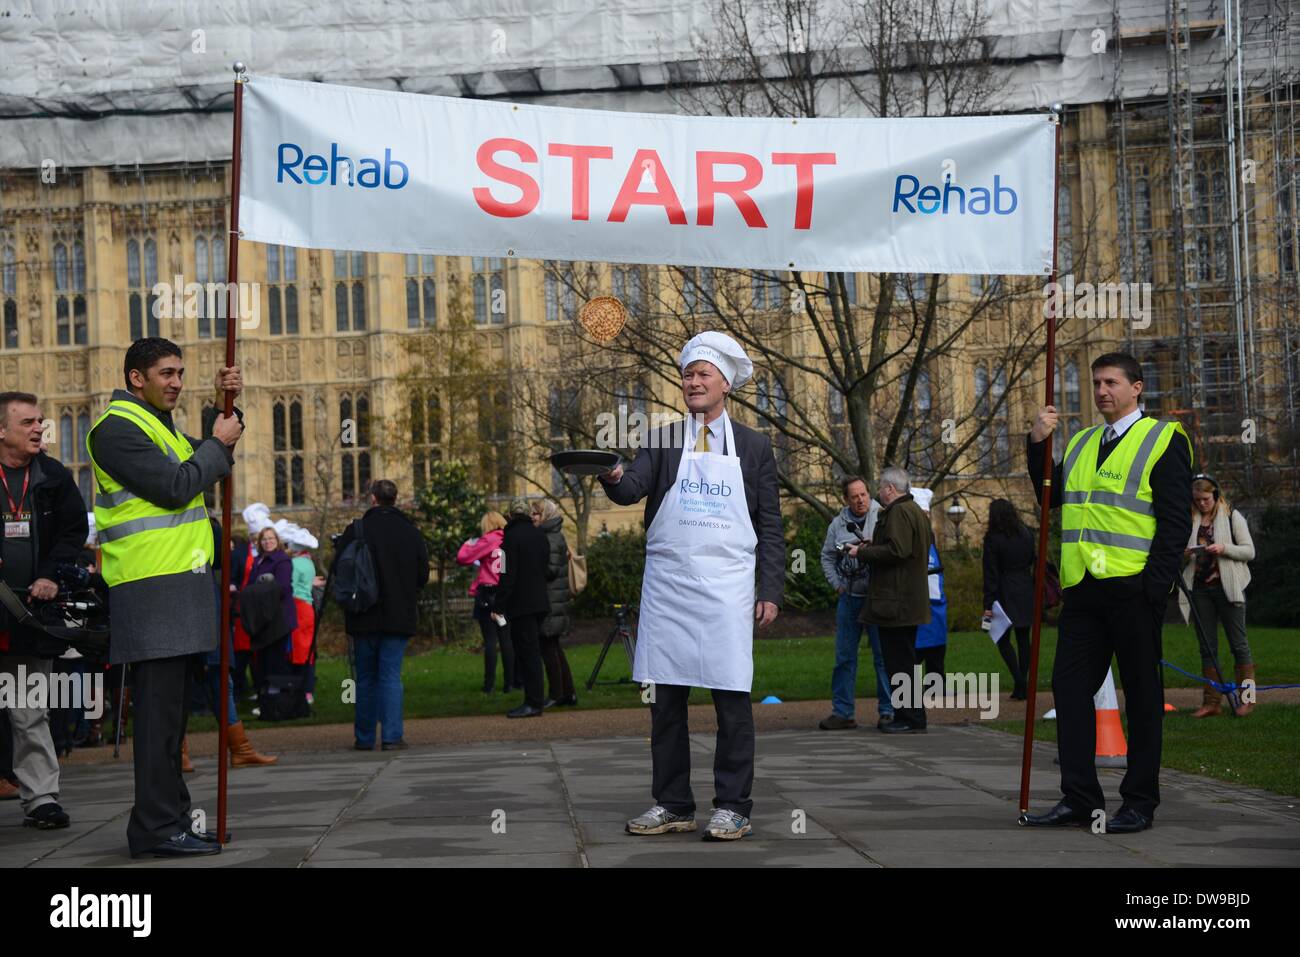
{"x":1127,"y":821}
{"x":207,"y":837}
{"x":884,"y":720}
{"x":549,"y":703}
{"x":1060,"y":816}
{"x":525,"y":711}
{"x":836,"y":722}
{"x":398,"y":745}
{"x":902,"y":727}
{"x":568,"y":701}
{"x":183,"y":844}
{"x":47,"y":817}
{"x":358,"y":746}
{"x":1019,"y":695}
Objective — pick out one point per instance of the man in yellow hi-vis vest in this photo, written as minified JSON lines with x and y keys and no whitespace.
{"x":1123,"y":489}
{"x":157,"y":550}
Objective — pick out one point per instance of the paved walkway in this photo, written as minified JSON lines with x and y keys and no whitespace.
{"x":845,"y":799}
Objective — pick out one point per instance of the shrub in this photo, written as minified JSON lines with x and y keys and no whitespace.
{"x":615,"y":564}
{"x":806,"y":588}
{"x":1269,"y":599}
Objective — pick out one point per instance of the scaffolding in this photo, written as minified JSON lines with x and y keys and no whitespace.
{"x":1206,"y":188}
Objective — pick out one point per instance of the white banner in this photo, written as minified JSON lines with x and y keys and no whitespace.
{"x":337,"y":167}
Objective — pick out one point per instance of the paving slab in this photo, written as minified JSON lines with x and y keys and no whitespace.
{"x":846,"y":799}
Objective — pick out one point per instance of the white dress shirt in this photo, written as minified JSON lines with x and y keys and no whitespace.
{"x":717,"y":433}
{"x":1121,"y":426}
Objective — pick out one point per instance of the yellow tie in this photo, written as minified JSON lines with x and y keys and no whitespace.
{"x":702,"y":441}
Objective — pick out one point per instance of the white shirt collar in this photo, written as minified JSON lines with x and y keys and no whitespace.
{"x":717,"y":430}
{"x":1122,"y":425}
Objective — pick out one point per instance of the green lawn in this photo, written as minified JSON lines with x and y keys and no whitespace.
{"x":1261,"y":751}
{"x":446,"y":682}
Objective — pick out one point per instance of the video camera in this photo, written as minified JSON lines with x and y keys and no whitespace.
{"x":76,"y":617}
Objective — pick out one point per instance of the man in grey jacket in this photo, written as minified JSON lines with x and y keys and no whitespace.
{"x":848,"y":576}
{"x":160,"y":620}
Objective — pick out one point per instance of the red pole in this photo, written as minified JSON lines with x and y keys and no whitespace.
{"x":227,"y":485}
{"x":1045,"y":510}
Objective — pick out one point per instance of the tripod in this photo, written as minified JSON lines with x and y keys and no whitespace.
{"x":1208,"y":650}
{"x":621,"y":632}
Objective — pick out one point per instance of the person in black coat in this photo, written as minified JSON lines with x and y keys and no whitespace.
{"x":1009,"y":580}
{"x":380,"y":633}
{"x":559,"y":678}
{"x":44,"y":526}
{"x":522,"y":599}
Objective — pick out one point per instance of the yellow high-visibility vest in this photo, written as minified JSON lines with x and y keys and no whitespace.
{"x":137,"y":538}
{"x":1108,"y":518}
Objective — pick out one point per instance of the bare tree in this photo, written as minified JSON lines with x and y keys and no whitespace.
{"x":852,"y":374}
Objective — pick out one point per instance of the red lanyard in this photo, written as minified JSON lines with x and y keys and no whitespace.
{"x":16,"y":508}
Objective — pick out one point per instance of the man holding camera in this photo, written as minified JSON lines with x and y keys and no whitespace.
{"x":157,"y":550}
{"x":44,"y":525}
{"x":853,"y":526}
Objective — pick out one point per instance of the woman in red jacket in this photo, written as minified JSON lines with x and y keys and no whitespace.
{"x":486,"y":551}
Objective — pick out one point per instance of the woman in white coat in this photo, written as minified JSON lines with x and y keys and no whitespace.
{"x":1215,"y":569}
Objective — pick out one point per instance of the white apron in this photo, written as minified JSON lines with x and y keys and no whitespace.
{"x":696,"y":626}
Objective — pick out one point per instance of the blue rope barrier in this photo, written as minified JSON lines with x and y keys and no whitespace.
{"x":1223,"y":687}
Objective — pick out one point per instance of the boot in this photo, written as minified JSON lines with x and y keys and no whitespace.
{"x":242,"y":752}
{"x":1210,"y":697}
{"x":186,"y":766}
{"x":1244,"y":672}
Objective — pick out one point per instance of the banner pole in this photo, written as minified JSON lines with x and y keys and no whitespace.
{"x":227,"y":484}
{"x":1045,"y":506}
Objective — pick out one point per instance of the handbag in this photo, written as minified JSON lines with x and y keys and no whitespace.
{"x":577,"y":573}
{"x":1051,"y":586}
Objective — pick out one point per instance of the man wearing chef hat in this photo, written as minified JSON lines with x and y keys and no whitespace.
{"x":715,"y":565}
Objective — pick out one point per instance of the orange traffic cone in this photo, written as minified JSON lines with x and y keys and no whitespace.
{"x":1112,"y":749}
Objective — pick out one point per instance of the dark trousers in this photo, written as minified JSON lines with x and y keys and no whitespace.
{"x":932,"y":658}
{"x":528,"y":657}
{"x":898,"y":647}
{"x":670,"y":748}
{"x":1101,"y":619}
{"x":559,"y":680}
{"x":162,"y":802}
{"x":1019,"y":667}
{"x":492,"y":634}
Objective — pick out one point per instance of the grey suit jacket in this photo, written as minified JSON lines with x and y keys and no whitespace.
{"x":654,"y":470}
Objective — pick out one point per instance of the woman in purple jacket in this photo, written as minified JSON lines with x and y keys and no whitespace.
{"x":274,"y":563}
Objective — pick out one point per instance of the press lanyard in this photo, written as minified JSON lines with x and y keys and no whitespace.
{"x":16,"y":508}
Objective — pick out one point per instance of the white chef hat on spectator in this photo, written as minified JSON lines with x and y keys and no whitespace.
{"x":296,"y":536}
{"x":258,"y":517}
{"x":923,"y":497}
{"x":724,"y":352}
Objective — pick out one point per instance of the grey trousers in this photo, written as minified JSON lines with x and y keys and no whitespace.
{"x":36,"y":765}
{"x":1212,"y":606}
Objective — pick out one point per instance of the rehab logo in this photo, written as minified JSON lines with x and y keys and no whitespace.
{"x":315,"y":169}
{"x":912,"y":197}
{"x":714,"y":489}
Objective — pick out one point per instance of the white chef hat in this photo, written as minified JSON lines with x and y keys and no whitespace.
{"x":922,"y":497}
{"x":724,"y":352}
{"x":258,"y":517}
{"x":296,"y":535}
